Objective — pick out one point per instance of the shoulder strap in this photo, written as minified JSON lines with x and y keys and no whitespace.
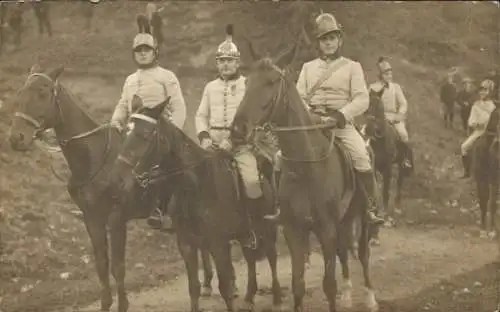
{"x":327,"y":74}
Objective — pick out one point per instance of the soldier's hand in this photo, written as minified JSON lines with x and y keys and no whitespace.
{"x":116,"y":125}
{"x":226,"y":145}
{"x":206,"y":143}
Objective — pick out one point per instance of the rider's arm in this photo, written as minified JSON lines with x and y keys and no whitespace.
{"x":120,"y":113}
{"x":202,"y":117}
{"x":359,"y":94}
{"x":302,"y":84}
{"x":177,"y":105}
{"x":401,"y":102}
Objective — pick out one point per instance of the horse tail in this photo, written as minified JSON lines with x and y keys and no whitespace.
{"x":143,"y":24}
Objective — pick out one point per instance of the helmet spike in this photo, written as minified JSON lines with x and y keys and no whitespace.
{"x":229,"y":31}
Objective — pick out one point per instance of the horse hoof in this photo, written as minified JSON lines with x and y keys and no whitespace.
{"x":278,"y":308}
{"x":345,"y":301}
{"x":492,"y":234}
{"x":374,"y":242}
{"x":206,"y":291}
{"x":247,"y":307}
{"x":483,"y":234}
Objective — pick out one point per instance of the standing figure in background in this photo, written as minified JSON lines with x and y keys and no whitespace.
{"x":448,"y":97}
{"x":15,"y":21}
{"x":465,"y":99}
{"x":478,"y":120}
{"x":42,"y":10}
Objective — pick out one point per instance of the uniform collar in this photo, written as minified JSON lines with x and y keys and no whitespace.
{"x":233,"y":77}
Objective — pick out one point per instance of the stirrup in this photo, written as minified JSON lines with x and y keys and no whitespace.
{"x":374,"y":219}
{"x":252,"y":240}
{"x":156,"y":221}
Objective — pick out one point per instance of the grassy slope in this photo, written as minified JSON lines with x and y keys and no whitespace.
{"x":43,"y":240}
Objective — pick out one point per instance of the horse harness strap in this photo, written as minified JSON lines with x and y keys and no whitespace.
{"x":326,"y":75}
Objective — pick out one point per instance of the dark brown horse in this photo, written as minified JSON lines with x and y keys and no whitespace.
{"x":212,"y":211}
{"x":485,"y":170}
{"x":90,"y":150}
{"x":387,"y":149}
{"x":316,"y":186}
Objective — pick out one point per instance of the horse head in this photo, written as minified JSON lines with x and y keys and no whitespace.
{"x":141,"y":148}
{"x":375,"y":118}
{"x":266,"y":84}
{"x":36,"y":105}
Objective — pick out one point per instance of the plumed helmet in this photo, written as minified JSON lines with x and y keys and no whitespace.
{"x":488,"y":85}
{"x":144,"y":39}
{"x":383,"y":65}
{"x":326,"y":23}
{"x":228,"y":49}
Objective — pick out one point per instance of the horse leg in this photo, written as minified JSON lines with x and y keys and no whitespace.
{"x":248,"y":302}
{"x":118,"y":236}
{"x":342,"y":252}
{"x":206,"y":290}
{"x":492,"y":203}
{"x":387,"y":179}
{"x":483,"y":195}
{"x":327,"y":236}
{"x":272,"y":258}
{"x":296,"y":239}
{"x":401,"y":176}
{"x":189,"y":253}
{"x":223,"y":264}
{"x":96,"y":228}
{"x":364,"y":258}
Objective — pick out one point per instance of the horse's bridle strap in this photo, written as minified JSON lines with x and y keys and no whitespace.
{"x":28,"y":118}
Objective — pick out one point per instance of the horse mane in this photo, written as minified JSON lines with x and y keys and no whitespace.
{"x":67,"y":93}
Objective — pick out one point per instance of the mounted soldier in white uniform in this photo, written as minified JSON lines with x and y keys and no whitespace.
{"x":333,"y":89}
{"x":395,"y":106}
{"x":220,"y":100}
{"x":150,"y":85}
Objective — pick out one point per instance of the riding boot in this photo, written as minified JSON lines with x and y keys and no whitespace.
{"x":275,"y":217}
{"x":466,"y":161}
{"x":159,"y":218}
{"x":367,"y":183}
{"x":255,"y":217}
{"x":407,"y":156}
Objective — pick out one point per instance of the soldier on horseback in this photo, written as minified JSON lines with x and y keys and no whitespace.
{"x":478,"y":120}
{"x":334,"y":90}
{"x":395,"y":105}
{"x":219,"y":103}
{"x":153,"y":85}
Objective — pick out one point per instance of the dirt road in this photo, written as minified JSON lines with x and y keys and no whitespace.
{"x":406,"y":263}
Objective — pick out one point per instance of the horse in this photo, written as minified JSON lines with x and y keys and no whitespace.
{"x":387,"y":149}
{"x":90,"y":150}
{"x":214,"y":210}
{"x":317,"y":184}
{"x":485,"y":162}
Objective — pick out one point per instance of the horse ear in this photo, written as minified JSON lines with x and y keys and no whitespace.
{"x":56,"y":72}
{"x":286,"y":57}
{"x":255,"y":56}
{"x":158,"y":109}
{"x":35,"y":69}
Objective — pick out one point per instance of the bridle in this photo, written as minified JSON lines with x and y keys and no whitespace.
{"x":154,"y":174}
{"x":40,"y":126}
{"x":278,"y":98}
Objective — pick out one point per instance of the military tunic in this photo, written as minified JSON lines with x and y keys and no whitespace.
{"x":395,"y":106}
{"x":219,"y":103}
{"x":153,"y":86}
{"x":345,"y":90}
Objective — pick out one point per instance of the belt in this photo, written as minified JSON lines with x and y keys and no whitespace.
{"x":220,"y":128}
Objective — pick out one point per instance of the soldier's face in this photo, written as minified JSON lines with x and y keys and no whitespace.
{"x":144,"y":55}
{"x":387,"y":75}
{"x":483,"y":92}
{"x":227,"y":66}
{"x":330,"y":43}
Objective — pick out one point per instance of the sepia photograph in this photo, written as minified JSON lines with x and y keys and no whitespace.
{"x":249,"y":155}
